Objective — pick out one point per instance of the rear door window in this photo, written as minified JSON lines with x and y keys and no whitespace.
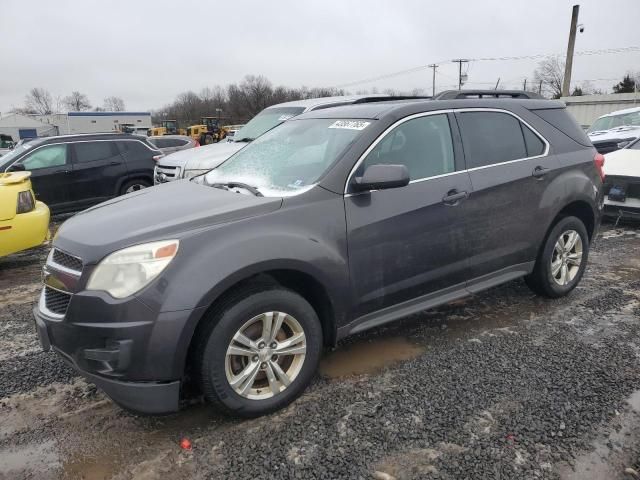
{"x":422,"y":144}
{"x":490,"y":138}
{"x":94,"y":151}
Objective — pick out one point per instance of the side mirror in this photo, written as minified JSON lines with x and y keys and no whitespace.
{"x":380,"y":177}
{"x":18,"y":167}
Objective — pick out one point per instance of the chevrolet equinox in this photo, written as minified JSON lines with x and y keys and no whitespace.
{"x":338,"y":221}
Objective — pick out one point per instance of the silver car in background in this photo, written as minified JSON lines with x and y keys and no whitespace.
{"x":187,"y":164}
{"x":173,"y":143}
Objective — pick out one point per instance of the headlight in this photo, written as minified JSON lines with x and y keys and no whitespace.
{"x":129,"y":270}
{"x":193,"y":173}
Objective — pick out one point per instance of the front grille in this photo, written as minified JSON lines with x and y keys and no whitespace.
{"x":166,"y":173}
{"x":66,"y":260}
{"x":55,"y":301}
{"x":630,"y":185}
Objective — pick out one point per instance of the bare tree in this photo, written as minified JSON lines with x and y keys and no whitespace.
{"x":77,"y":102}
{"x":114,"y":104}
{"x":550,"y":72}
{"x":39,"y":100}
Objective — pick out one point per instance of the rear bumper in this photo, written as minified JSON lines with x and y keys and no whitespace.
{"x":25,"y":230}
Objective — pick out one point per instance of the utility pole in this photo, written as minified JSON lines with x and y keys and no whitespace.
{"x":566,"y":84}
{"x":497,"y":83}
{"x":460,"y":61}
{"x":433,"y":66}
{"x":524,"y":87}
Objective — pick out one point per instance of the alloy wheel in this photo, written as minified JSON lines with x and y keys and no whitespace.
{"x":265,"y":355}
{"x":567,"y":257}
{"x":135,"y":187}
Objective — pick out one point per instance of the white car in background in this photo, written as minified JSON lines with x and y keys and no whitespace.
{"x":615,"y":130}
{"x":622,"y":182}
{"x":193,"y":162}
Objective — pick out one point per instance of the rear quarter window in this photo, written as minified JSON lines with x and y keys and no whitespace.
{"x":564,"y":122}
{"x":135,"y":148}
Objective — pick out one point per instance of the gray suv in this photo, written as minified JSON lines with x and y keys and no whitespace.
{"x":337,"y":221}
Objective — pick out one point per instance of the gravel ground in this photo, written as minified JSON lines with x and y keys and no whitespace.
{"x":501,"y":385}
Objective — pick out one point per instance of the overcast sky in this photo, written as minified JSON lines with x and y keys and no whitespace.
{"x":149,"y":51}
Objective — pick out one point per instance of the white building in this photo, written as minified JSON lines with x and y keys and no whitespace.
{"x":587,"y":108}
{"x":22,"y":126}
{"x":96,"y":122}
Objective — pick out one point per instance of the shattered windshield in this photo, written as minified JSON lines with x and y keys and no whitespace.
{"x":289,"y":159}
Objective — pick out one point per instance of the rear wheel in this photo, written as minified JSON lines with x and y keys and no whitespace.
{"x":562,"y":262}
{"x":134,"y":186}
{"x":261,"y":350}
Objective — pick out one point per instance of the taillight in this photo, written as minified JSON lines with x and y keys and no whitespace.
{"x":26,"y":203}
{"x":599,"y":162}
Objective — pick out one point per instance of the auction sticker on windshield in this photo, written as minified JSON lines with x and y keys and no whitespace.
{"x":350,"y":124}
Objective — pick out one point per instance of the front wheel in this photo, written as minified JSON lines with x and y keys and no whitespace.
{"x":562,"y":262}
{"x":134,"y":186}
{"x":260,"y":352}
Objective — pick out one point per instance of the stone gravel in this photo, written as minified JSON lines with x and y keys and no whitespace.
{"x":508,"y":385}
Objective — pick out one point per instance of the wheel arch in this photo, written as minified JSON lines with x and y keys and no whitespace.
{"x":580,"y":208}
{"x":289,"y":275}
{"x":129,"y":178}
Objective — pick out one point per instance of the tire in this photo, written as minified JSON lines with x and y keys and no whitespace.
{"x":548,"y":280}
{"x":243,"y":312}
{"x":134,"y":186}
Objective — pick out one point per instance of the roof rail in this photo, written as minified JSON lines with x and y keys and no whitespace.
{"x":390,"y":98}
{"x":457,"y":94}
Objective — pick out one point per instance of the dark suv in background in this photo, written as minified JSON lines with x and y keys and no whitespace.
{"x":73,"y":172}
{"x":335,"y":222}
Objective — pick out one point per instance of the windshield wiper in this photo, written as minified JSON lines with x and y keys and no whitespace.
{"x":229,"y":185}
{"x":245,"y":140}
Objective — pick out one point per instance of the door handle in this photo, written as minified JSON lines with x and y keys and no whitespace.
{"x":539,"y":172}
{"x":114,"y":163}
{"x":453,"y":197}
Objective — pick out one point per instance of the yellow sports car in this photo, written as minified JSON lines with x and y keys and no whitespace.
{"x":24,"y":222}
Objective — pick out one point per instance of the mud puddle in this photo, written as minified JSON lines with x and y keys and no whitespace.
{"x":40,"y":457}
{"x":89,"y":437}
{"x":368,"y":357}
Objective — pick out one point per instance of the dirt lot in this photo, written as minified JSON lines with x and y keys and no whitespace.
{"x":502,"y":385}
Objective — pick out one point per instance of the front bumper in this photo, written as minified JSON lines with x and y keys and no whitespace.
{"x":629,"y":209}
{"x":147,"y":397}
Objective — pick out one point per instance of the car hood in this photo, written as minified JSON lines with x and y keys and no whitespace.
{"x":618,"y":133}
{"x":623,"y":163}
{"x":171,"y":210}
{"x":202,"y":158}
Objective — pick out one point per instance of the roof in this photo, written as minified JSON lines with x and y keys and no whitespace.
{"x":407,"y":107}
{"x":108,"y":114}
{"x":622,"y":112}
{"x":19,"y":121}
{"x":316,"y":102}
{"x":85,"y":136}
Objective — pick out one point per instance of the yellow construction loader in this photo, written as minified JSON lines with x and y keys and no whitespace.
{"x":208,"y":131}
{"x":169,"y":127}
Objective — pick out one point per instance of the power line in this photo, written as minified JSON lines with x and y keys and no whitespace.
{"x":539,"y":56}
